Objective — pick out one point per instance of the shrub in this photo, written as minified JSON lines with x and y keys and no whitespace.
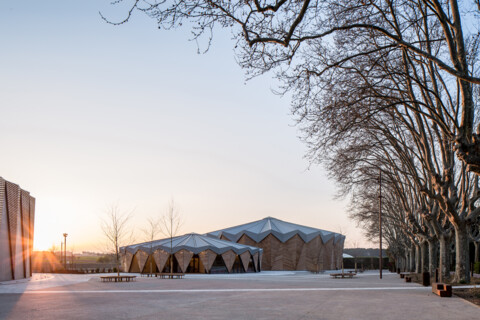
{"x":476,"y":267}
{"x":106,"y":258}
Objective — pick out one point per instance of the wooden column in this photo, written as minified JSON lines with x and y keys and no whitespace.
{"x":183,"y":258}
{"x":208,"y":258}
{"x":160,"y":256}
{"x":245,"y":258}
{"x":229,"y":259}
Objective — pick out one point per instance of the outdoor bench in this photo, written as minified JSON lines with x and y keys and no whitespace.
{"x":343,"y":275}
{"x":170,"y":275}
{"x":147,"y":274}
{"x":442,"y":289}
{"x":117,"y":278}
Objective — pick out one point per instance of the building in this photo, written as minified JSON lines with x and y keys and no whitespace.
{"x":365,"y":258}
{"x":288,"y":246}
{"x":192,"y":253}
{"x":17,"y":213}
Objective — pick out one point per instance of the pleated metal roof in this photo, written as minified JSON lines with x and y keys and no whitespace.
{"x":193,"y":242}
{"x":282,"y":230}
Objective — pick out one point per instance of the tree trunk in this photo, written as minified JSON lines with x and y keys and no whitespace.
{"x":432,"y":256}
{"x":477,"y":251}
{"x":423,"y":258}
{"x":412,"y":259}
{"x":407,"y":260}
{"x":462,"y":263}
{"x":444,"y":263}
{"x":117,"y":261}
{"x":417,"y":258}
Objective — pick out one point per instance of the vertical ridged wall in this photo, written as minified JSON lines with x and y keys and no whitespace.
{"x":17,"y":213}
{"x":295,"y":254}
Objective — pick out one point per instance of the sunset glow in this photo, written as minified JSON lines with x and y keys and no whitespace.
{"x":95,"y":114}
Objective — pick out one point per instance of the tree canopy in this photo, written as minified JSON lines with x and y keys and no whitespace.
{"x":377,"y":85}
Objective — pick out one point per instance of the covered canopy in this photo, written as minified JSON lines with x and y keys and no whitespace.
{"x":192,"y":242}
{"x":191,"y":253}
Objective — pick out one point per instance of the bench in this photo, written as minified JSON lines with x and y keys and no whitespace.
{"x":408,"y":278}
{"x":146,"y":274}
{"x":403,"y":274}
{"x":442,"y":289}
{"x":343,"y":275}
{"x":117,"y":278}
{"x":170,"y":275}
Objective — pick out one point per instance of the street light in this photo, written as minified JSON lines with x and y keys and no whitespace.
{"x":65,"y":252}
{"x":380,"y":261}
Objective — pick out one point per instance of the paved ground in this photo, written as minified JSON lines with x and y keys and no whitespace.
{"x":267,"y":295}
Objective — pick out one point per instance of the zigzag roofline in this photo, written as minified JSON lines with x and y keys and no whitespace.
{"x":282,"y":230}
{"x":193,"y":242}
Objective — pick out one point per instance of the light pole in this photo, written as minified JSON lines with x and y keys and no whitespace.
{"x":65,"y":252}
{"x":380,"y":261}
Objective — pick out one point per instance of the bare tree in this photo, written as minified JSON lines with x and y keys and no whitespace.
{"x":171,"y":222}
{"x":117,"y":231}
{"x":296,"y":38}
{"x":151,"y":232}
{"x":383,"y":84}
{"x":53,"y":248}
{"x":153,"y":229}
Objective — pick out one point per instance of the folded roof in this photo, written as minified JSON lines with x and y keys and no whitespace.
{"x":193,"y":242}
{"x":282,"y":230}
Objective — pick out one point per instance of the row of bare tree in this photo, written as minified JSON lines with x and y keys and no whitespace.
{"x":118,"y":232}
{"x":377,"y":85}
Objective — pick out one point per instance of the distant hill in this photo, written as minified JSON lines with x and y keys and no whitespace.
{"x":365,"y":252}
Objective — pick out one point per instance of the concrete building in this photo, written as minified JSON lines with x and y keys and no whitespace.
{"x":191,"y":253}
{"x":17,"y":213}
{"x":288,"y":246}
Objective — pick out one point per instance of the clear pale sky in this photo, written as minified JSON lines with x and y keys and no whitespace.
{"x":93,"y":114}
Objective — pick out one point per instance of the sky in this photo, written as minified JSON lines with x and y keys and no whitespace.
{"x":95,"y":115}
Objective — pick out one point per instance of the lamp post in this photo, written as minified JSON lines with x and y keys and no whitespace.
{"x":65,"y":252}
{"x":380,"y":261}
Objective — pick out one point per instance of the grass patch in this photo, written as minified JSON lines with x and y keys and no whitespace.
{"x":472,"y":295}
{"x":86,"y":259}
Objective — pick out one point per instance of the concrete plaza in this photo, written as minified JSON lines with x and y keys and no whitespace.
{"x":266,"y":295}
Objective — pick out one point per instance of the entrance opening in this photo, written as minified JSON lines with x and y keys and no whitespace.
{"x":196,"y":265}
{"x":218,"y":265}
{"x":176,"y":266}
